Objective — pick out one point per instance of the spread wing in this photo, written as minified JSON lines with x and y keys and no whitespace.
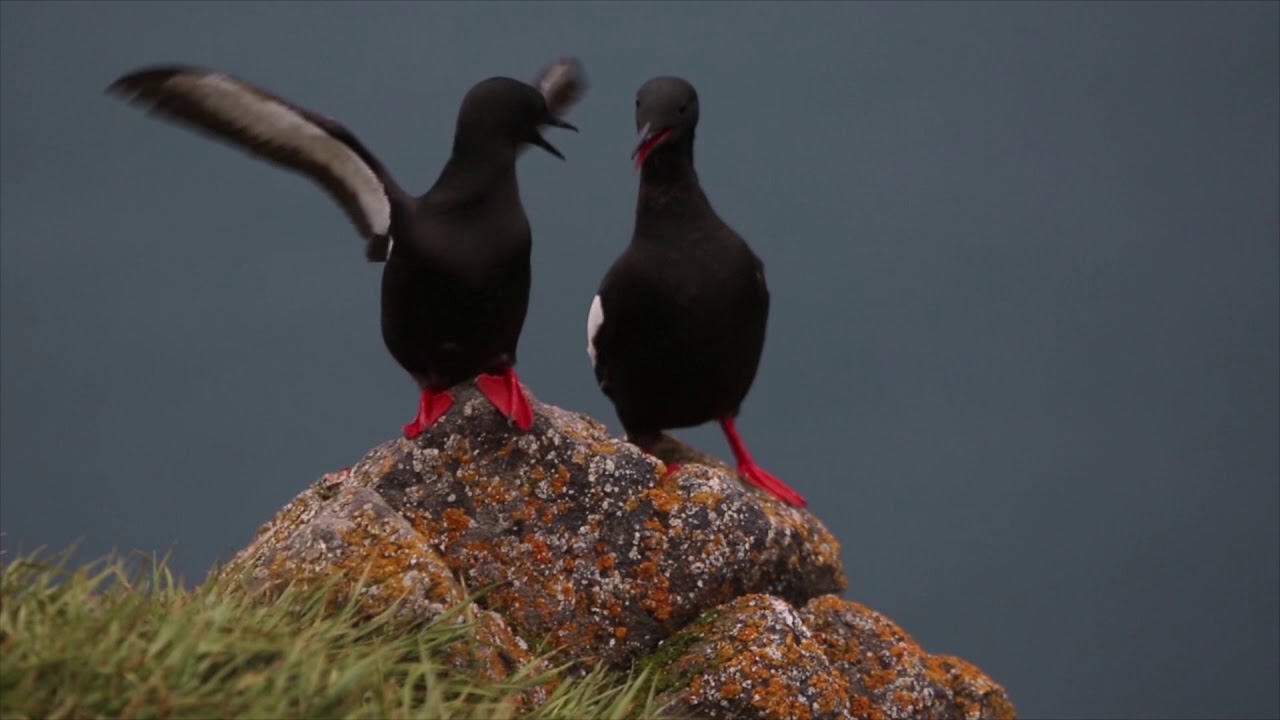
{"x":562,"y":83}
{"x":275,"y":130}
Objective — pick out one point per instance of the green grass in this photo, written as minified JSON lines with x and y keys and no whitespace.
{"x":104,"y":641}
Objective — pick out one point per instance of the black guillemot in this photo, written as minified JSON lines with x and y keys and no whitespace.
{"x":676,"y":330}
{"x":455,"y":284}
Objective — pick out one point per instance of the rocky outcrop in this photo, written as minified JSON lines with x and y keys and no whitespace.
{"x":581,"y":541}
{"x":760,"y":657}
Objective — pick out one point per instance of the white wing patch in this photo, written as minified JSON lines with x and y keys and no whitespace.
{"x":270,"y":121}
{"x":595,"y":319}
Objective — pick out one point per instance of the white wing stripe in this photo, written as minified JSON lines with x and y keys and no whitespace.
{"x":272,"y":122}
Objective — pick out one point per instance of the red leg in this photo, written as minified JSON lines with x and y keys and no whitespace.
{"x":432,"y":404}
{"x":504,"y":391}
{"x":755,"y":474}
{"x":672,"y":468}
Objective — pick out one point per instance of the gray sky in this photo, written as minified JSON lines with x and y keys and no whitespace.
{"x":1022,"y":359}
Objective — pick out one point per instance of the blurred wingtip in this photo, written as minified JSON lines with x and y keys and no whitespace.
{"x":562,"y":82}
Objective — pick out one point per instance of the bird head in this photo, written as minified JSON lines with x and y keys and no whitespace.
{"x":502,"y":108}
{"x":666,"y":114}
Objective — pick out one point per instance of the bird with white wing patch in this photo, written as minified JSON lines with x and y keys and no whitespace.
{"x":456,"y":289}
{"x":676,"y":330}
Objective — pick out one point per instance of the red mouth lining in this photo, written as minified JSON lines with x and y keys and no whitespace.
{"x":649,"y":145}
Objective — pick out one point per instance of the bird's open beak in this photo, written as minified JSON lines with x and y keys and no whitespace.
{"x":557,"y":122}
{"x":649,"y":139}
{"x":542,"y":142}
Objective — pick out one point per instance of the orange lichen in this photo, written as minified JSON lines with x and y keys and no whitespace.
{"x":601,"y":447}
{"x":388,"y":464}
{"x":620,"y":632}
{"x":664,"y":499}
{"x":726,"y":652}
{"x":456,"y":521}
{"x":560,"y":482}
{"x":860,"y":707}
{"x":899,"y":652}
{"x":695,"y":685}
{"x":779,"y":698}
{"x":936,"y":671}
{"x":647,"y":570}
{"x":460,"y":452}
{"x":974,"y":691}
{"x":566,"y":590}
{"x":877,"y":679}
{"x":538,"y":549}
{"x":615,"y":608}
{"x":659,"y":601}
{"x":505,"y":450}
{"x":707,"y":498}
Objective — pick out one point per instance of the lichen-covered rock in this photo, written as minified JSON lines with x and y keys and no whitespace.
{"x":891,"y":677}
{"x":575,"y":537}
{"x":750,"y":658}
{"x":494,"y":653}
{"x":346,"y":534}
{"x":581,"y":541}
{"x":758,"y":657}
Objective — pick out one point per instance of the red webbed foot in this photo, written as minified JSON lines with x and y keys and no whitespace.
{"x":755,"y":474}
{"x":765,"y":480}
{"x":432,"y":405}
{"x":504,"y":391}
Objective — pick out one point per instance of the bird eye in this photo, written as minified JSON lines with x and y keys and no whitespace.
{"x":683,"y":107}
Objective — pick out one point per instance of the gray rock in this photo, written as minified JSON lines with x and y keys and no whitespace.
{"x":758,"y":658}
{"x":577,"y":538}
{"x":584,"y":542}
